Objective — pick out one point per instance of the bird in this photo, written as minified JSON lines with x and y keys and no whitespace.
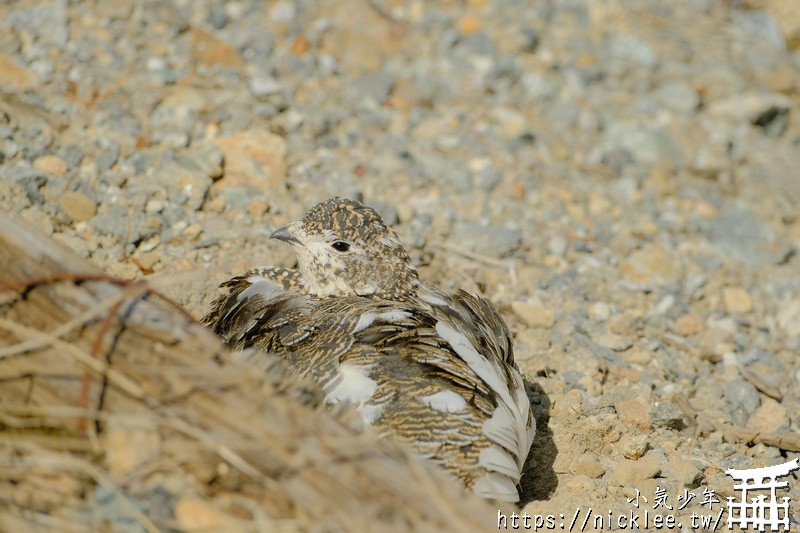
{"x":430,"y":369}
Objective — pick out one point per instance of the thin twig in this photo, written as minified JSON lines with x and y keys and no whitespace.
{"x":133,"y":291}
{"x":471,"y":255}
{"x":80,"y":320}
{"x":27,"y":284}
{"x":119,"y":379}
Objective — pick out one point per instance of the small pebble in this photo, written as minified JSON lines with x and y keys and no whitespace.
{"x":534,"y":314}
{"x":737,"y":300}
{"x":592,"y":469}
{"x":51,"y":164}
{"x":78,"y":206}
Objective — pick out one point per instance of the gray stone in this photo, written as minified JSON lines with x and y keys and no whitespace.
{"x":775,"y":165}
{"x":447,"y":172}
{"x":124,"y":224}
{"x":419,"y":227}
{"x":108,"y":155}
{"x":557,"y":246}
{"x":30,"y":179}
{"x":647,"y":144}
{"x":204,"y":158}
{"x":540,"y":86}
{"x":262,"y":82}
{"x":530,"y":40}
{"x":742,"y":398}
{"x":374,"y":87}
{"x":761,"y":25}
{"x":667,"y":415}
{"x":252,"y":41}
{"x":739,"y":233}
{"x":283,"y":12}
{"x":679,"y":97}
{"x":217,"y":16}
{"x":106,"y":508}
{"x":490,"y":241}
{"x":478,"y":44}
{"x":487,"y":178}
{"x":174,"y":15}
{"x":598,"y":349}
{"x":72,"y":154}
{"x":572,"y":377}
{"x":48,"y":22}
{"x":631,"y":48}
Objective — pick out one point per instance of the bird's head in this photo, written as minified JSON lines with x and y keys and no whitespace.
{"x":344,"y":248}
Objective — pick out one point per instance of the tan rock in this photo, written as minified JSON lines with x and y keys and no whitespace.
{"x":77,"y":206}
{"x":579,"y":485}
{"x":600,"y":311}
{"x":634,"y":413}
{"x":637,"y":355}
{"x":589,"y":468}
{"x":210,"y":50}
{"x":123,"y":270}
{"x":769,"y":417}
{"x":681,"y":471}
{"x":651,"y":265}
{"x":624,"y":373}
{"x":51,"y":164}
{"x":598,"y":204}
{"x":11,"y":74}
{"x":534,"y":314}
{"x":131,"y":444}
{"x":622,"y":324}
{"x":253,"y":157}
{"x":633,"y":446}
{"x":469,"y":24}
{"x":782,"y":79}
{"x":789,"y":318}
{"x":193,"y":230}
{"x":688,"y":325}
{"x":300,"y":45}
{"x":706,"y":210}
{"x":360,"y":39}
{"x":148,"y":260}
{"x":713,"y":344}
{"x":737,"y":300}
{"x":560,"y":150}
{"x":194,"y":513}
{"x":644,"y":227}
{"x":631,"y":472}
{"x":618,"y":343}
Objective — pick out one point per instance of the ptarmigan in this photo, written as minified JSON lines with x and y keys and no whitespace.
{"x":429,"y":369}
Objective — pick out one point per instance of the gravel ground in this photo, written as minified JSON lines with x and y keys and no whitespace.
{"x":620,"y":178}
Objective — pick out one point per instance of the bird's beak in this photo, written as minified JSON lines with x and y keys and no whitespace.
{"x":285,"y":234}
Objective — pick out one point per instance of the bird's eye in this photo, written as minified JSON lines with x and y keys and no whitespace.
{"x":340,"y":246}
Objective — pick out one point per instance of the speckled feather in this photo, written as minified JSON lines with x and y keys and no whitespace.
{"x":432,"y":370}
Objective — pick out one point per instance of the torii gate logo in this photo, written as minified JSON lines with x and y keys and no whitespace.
{"x":757,"y":511}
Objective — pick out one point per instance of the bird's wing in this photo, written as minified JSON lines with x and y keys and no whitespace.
{"x":259,"y":295}
{"x":442,"y":380}
{"x":480,"y":337}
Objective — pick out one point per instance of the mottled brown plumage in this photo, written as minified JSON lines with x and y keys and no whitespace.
{"x":432,"y":370}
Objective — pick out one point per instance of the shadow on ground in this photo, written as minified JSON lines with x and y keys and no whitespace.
{"x":539,"y":479}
